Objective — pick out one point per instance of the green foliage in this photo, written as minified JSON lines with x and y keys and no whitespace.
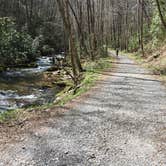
{"x":47,"y":50}
{"x":50,"y":39}
{"x":52,"y":36}
{"x":163,"y":7}
{"x":15,"y":47}
{"x":40,"y":46}
{"x":133,"y":43}
{"x":157,"y":30}
{"x":8,"y":115}
{"x":154,"y":34}
{"x":92,"y":74}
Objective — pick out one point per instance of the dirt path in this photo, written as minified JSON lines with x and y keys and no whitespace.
{"x":120,"y":122}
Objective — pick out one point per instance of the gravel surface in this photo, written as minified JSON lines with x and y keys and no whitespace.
{"x":120,"y":122}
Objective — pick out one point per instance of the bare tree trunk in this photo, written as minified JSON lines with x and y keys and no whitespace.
{"x":64,"y":10}
{"x":142,"y":27}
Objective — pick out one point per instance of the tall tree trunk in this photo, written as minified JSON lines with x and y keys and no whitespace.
{"x":142,"y":27}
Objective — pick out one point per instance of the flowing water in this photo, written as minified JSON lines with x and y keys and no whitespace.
{"x":22,"y":87}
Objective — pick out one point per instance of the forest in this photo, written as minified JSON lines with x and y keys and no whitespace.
{"x":47,"y":24}
{"x":82,"y":82}
{"x":79,"y":31}
{"x":84,"y":28}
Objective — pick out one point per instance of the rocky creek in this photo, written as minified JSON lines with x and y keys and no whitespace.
{"x":26,"y":87}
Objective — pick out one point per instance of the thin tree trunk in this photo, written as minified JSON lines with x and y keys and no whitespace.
{"x":142,"y":28}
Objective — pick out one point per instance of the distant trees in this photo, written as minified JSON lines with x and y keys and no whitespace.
{"x":92,"y":25}
{"x":85,"y":28}
{"x":134,"y":23}
{"x":36,"y":17}
{"x":87,"y":25}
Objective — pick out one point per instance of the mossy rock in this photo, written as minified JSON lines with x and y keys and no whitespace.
{"x":54,"y":68}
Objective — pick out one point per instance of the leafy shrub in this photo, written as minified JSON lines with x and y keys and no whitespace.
{"x":133,"y":43}
{"x":157,"y":30}
{"x":15,"y":47}
{"x":53,"y":35}
{"x":47,"y":50}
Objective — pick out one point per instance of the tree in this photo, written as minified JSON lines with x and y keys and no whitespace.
{"x":15,"y":47}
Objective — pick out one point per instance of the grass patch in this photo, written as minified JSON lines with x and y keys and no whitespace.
{"x":14,"y":117}
{"x":8,"y":115}
{"x":92,"y":74}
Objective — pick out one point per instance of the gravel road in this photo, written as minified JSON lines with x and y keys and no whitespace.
{"x":120,"y":122}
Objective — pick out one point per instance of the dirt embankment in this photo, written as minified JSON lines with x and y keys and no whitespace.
{"x":157,"y":60}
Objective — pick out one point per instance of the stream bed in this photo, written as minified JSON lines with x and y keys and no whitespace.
{"x":22,"y":87}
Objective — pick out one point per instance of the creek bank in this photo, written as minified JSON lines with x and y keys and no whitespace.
{"x":60,"y":79}
{"x":29,"y":86}
{"x":154,"y":60}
